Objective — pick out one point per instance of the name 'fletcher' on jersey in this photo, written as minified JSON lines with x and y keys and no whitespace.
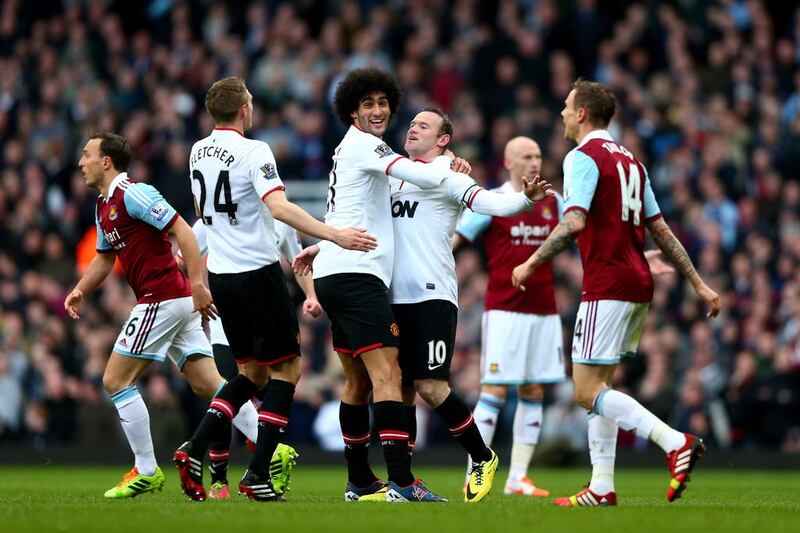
{"x":217,"y":152}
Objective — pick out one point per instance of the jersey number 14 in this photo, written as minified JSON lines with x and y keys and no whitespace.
{"x":631,"y":188}
{"x":223,"y":189}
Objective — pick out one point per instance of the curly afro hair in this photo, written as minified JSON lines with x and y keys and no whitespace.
{"x":360,"y":83}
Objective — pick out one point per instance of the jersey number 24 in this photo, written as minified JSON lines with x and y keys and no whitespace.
{"x":223,"y":189}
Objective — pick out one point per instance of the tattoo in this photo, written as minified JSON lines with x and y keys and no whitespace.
{"x":672,"y":247}
{"x":561,"y":237}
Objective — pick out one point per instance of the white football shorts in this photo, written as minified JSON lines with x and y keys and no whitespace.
{"x":159,"y":330}
{"x":519,"y":348}
{"x":606,"y":331}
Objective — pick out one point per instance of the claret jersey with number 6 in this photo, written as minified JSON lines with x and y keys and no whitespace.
{"x":605,"y":181}
{"x":231,"y":175}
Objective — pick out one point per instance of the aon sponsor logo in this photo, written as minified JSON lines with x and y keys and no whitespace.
{"x":404,"y":208}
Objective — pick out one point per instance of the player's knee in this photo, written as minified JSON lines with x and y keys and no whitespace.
{"x":433,"y":391}
{"x":498,"y":391}
{"x":287,"y":370}
{"x":388,"y":379}
{"x":113,"y":383}
{"x":532,"y":392}
{"x":357,"y":385}
{"x":584,"y":398}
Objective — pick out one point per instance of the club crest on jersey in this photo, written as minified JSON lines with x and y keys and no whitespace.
{"x":394,"y":329}
{"x":383,"y":150}
{"x":269,"y":171}
{"x":112,"y":213}
{"x":159,"y":211}
{"x":547,"y":213}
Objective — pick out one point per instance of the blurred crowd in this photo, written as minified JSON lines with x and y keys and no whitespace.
{"x":709,"y":96}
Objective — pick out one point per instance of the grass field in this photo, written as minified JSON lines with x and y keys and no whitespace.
{"x":70,"y":499}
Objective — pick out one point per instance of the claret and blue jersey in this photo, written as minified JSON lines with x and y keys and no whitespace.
{"x":133,"y":222}
{"x":607,"y":183}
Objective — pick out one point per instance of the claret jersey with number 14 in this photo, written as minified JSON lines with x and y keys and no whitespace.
{"x":606,"y":182}
{"x":231,"y":175}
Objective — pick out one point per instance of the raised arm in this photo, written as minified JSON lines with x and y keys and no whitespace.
{"x":505,"y":205}
{"x":674,"y":251}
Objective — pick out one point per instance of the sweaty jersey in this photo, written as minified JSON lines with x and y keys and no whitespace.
{"x":510,"y":241}
{"x":358,"y":196}
{"x":133,"y":222}
{"x":423,"y":221}
{"x":231,"y":175}
{"x":605,"y":181}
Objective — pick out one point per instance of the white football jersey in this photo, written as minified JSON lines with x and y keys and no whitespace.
{"x":230,"y":176}
{"x":358,"y":196}
{"x":424,"y":221}
{"x":288,"y":243}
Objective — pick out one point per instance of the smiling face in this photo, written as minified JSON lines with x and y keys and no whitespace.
{"x":373,"y":114}
{"x":92,"y":164}
{"x":425,"y":133}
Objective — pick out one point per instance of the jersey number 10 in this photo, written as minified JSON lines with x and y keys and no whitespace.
{"x":223,"y":189}
{"x":631,"y":188}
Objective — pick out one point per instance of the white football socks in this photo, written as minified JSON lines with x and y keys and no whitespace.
{"x":135,"y":422}
{"x":527,"y":426}
{"x":629,"y":414}
{"x":602,"y":451}
{"x":486,"y":413}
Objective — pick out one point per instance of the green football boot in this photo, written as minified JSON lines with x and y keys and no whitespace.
{"x":280,"y":468}
{"x":133,"y":483}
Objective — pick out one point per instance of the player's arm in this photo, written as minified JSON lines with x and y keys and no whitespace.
{"x":469,"y":228}
{"x":98,"y":270}
{"x":674,"y":251}
{"x":293,"y":215}
{"x":190,"y":251}
{"x":199,"y":230}
{"x":423,"y":175}
{"x":562,"y":236}
{"x":290,"y":248}
{"x":503,"y":205}
{"x":582,"y":174}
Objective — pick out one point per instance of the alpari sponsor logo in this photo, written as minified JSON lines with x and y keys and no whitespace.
{"x":525,"y":235}
{"x":114,"y":238}
{"x":404,"y":209}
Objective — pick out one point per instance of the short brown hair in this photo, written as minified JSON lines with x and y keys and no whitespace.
{"x":116,"y":147}
{"x":447,"y":124}
{"x":598,"y":100}
{"x":225,"y":98}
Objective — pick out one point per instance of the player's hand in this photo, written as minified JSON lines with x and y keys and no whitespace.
{"x":355,"y":239}
{"x":658,"y":267}
{"x":710,"y":297}
{"x":303,"y":262}
{"x":460,"y":164}
{"x":520,"y":274}
{"x":72,"y":302}
{"x":312,"y":307}
{"x":537,"y":188}
{"x":203,"y":302}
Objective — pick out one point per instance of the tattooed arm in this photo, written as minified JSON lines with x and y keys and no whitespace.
{"x":674,"y":251}
{"x":559,"y":239}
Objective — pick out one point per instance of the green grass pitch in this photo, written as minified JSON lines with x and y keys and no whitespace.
{"x":51,"y":498}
